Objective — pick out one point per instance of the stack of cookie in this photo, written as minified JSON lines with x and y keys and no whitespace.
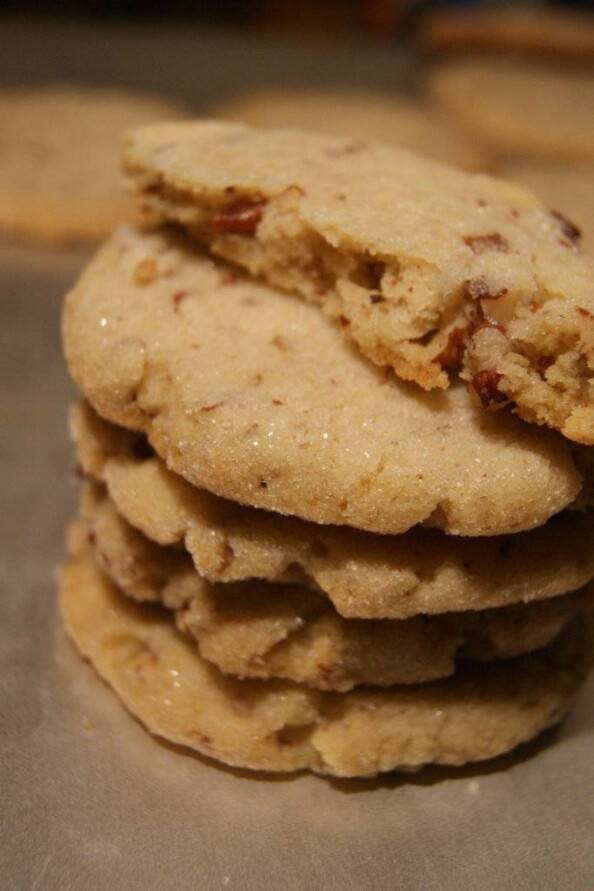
{"x":347,"y":532}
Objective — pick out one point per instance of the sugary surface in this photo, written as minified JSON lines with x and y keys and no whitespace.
{"x":364,"y":575}
{"x":257,"y":397}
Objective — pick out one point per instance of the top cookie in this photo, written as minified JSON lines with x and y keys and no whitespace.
{"x":420,"y":263}
{"x":255,"y":396}
{"x":520,"y":109}
{"x":354,"y":114}
{"x":59,"y":177}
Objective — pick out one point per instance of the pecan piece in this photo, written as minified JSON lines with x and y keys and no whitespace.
{"x":492,"y":241}
{"x":571,"y":233}
{"x":478,"y":289}
{"x":240,"y":218}
{"x":485,"y":385}
{"x":450,"y":358}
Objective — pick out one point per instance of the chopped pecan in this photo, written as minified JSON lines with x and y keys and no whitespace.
{"x":478,"y":289}
{"x":177,"y":299}
{"x":240,"y":218}
{"x":452,"y":354}
{"x":485,"y":385}
{"x":492,"y":241}
{"x":571,"y":233}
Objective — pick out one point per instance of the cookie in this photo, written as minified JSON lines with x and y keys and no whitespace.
{"x":364,"y":575}
{"x":418,"y":263}
{"x":59,"y":177}
{"x":259,"y":629}
{"x":509,"y":107}
{"x":567,"y":188}
{"x":539,"y":32}
{"x":280,"y":726}
{"x":258,"y":398}
{"x":356,"y":114}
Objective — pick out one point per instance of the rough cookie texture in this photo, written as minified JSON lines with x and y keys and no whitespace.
{"x":351,"y":114}
{"x":511,"y":106}
{"x":259,"y":629}
{"x":364,"y":575}
{"x":414,"y":260}
{"x":59,"y":177}
{"x":256,"y":397}
{"x":280,"y":726}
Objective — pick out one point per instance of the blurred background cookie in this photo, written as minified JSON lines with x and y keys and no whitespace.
{"x":59,"y":176}
{"x":358,"y":115}
{"x":518,"y":109}
{"x":566,"y":188}
{"x":527,"y":31}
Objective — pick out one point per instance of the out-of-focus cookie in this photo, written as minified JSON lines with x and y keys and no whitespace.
{"x":511,"y":107}
{"x":279,"y":726}
{"x":259,"y":629}
{"x":564,"y":187}
{"x":364,"y":575}
{"x":425,"y":268}
{"x":536,"y":32}
{"x":257,"y":397}
{"x":59,"y":153}
{"x":380,"y":117}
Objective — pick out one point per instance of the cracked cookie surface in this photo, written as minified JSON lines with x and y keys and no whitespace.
{"x":258,"y":398}
{"x":412,"y":259}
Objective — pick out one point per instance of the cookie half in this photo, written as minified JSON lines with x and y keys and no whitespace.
{"x":60,"y":178}
{"x":259,"y":629}
{"x":364,"y":575}
{"x":420,"y":265}
{"x":278,"y":726}
{"x":258,"y":398}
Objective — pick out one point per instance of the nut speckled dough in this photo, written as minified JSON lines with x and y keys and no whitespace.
{"x":418,"y":263}
{"x":520,"y":109}
{"x":358,"y":115}
{"x":59,"y":175}
{"x":568,"y":188}
{"x":256,"y":396}
{"x":258,"y":629}
{"x":364,"y":575}
{"x":280,"y":726}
